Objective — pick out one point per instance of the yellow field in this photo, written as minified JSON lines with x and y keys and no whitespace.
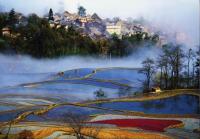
{"x":105,"y":133}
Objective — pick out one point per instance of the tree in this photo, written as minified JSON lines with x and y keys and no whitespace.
{"x":160,"y":64}
{"x":178,"y":64}
{"x":51,"y":18}
{"x":8,"y":132}
{"x":165,"y":64}
{"x":3,"y":20}
{"x":194,"y":60}
{"x":175,"y":56}
{"x":81,"y":11}
{"x":155,"y":38}
{"x":148,"y":70}
{"x":12,"y":18}
{"x":78,"y":122}
{"x":189,"y":57}
{"x":197,"y":71}
{"x":100,"y":94}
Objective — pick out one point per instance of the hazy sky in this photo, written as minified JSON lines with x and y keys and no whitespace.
{"x":176,"y":14}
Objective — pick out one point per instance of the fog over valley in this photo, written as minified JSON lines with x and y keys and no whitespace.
{"x":99,"y":69}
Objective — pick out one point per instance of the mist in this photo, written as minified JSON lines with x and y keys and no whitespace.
{"x":27,"y":64}
{"x":170,"y":17}
{"x":19,"y":69}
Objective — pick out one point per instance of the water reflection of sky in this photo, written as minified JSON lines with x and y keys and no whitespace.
{"x":63,"y":87}
{"x":183,"y":104}
{"x":8,"y":116}
{"x":116,"y":74}
{"x":57,"y":114}
{"x":59,"y":91}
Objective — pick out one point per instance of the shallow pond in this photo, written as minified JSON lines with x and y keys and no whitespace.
{"x":64,"y":88}
{"x":75,"y":73}
{"x":11,"y":115}
{"x":8,"y":116}
{"x":182,"y":104}
{"x":56,"y":92}
{"x":6,"y":108}
{"x":122,"y":74}
{"x":60,"y":112}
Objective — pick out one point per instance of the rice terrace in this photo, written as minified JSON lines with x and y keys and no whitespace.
{"x":76,"y":70}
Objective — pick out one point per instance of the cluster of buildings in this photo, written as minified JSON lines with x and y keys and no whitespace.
{"x":94,"y":26}
{"x":91,"y":25}
{"x":124,"y":28}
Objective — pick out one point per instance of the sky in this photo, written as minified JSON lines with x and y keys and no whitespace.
{"x":177,"y":15}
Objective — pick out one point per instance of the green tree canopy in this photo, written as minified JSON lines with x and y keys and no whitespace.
{"x":81,"y":11}
{"x":12,"y":18}
{"x":51,"y":18}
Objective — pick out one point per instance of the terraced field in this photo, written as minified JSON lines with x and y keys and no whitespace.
{"x":44,"y":99}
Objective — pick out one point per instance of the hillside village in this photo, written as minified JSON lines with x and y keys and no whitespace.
{"x":94,"y":26}
{"x":61,"y":34}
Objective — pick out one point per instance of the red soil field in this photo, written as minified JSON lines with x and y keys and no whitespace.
{"x":146,"y":124}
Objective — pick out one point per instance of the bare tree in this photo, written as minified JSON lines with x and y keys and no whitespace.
{"x":175,"y":57}
{"x":160,"y":65}
{"x":190,"y":56}
{"x":8,"y":130}
{"x":178,"y":54}
{"x":148,"y":70}
{"x":193,"y":74}
{"x":163,"y":65}
{"x":78,"y":122}
{"x":197,"y":71}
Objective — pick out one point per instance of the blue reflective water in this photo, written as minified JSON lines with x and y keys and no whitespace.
{"x":125,"y":75}
{"x":36,"y":118}
{"x":6,"y":108}
{"x":182,"y":104}
{"x":62,"y":87}
{"x":76,"y":73}
{"x":5,"y":117}
{"x":11,"y":115}
{"x":100,"y":83}
{"x":60,"y":112}
{"x":57,"y":92}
